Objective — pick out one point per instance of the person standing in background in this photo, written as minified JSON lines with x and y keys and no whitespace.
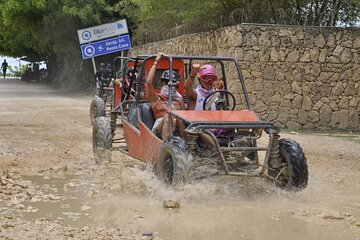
{"x":4,"y":67}
{"x":36,"y":69}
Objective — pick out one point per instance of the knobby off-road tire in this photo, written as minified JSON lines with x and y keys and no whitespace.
{"x":102,"y":140}
{"x":174,"y":164}
{"x":295,"y":175}
{"x":97,"y":109}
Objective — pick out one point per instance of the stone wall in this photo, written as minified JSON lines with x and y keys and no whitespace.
{"x":297,"y":77}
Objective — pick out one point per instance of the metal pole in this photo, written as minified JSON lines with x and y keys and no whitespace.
{"x":94,"y":65}
{"x":19,"y":68}
{"x":121,"y":60}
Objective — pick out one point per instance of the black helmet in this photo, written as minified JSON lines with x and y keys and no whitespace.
{"x":166,"y":76}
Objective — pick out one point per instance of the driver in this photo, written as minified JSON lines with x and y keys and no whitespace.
{"x":209,"y":83}
{"x":207,"y":76}
{"x":98,"y":78}
{"x":122,"y":85}
{"x":106,"y":76}
{"x":130,"y":73}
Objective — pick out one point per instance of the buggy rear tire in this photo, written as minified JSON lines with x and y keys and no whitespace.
{"x":102,"y":140}
{"x":295,"y":175}
{"x":97,"y":109}
{"x":174,"y":163}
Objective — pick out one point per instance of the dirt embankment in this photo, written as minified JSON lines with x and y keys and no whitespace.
{"x":50,"y":187}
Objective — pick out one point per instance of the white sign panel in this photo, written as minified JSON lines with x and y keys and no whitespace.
{"x":103,"y":31}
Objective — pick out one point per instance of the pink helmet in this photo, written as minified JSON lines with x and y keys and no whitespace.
{"x":206,"y":70}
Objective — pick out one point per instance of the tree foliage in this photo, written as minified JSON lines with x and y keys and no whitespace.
{"x":162,"y":19}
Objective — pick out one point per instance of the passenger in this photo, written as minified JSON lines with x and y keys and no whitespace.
{"x":159,"y":102}
{"x":122,"y":85}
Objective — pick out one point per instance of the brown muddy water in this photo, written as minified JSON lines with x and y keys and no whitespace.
{"x":215,"y":208}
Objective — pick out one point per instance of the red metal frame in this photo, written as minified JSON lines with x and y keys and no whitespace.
{"x":216,"y":116}
{"x":142,"y":143}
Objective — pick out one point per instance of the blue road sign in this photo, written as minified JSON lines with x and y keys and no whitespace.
{"x":107,"y":46}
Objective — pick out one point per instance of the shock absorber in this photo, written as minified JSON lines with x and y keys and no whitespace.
{"x":191,"y":140}
{"x":275,"y":161}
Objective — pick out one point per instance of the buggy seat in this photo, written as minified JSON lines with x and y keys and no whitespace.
{"x":146,"y":115}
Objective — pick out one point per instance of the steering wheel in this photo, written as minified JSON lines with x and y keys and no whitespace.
{"x":220,"y":96}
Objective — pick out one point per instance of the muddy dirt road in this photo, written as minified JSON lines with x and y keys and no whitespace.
{"x":50,"y":187}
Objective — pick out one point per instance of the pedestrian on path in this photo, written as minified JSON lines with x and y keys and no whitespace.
{"x":4,"y":66}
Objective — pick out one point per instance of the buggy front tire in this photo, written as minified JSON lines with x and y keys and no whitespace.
{"x":174,"y":163}
{"x":97,"y":109}
{"x":102,"y":140}
{"x":293,"y":175}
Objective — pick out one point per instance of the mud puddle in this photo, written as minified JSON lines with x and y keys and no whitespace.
{"x":218,"y":207}
{"x":223,"y":208}
{"x":54,"y":200}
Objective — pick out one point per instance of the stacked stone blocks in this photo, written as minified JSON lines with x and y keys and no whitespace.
{"x":296,"y":77}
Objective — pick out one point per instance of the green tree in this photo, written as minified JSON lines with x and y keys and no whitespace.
{"x":328,"y":12}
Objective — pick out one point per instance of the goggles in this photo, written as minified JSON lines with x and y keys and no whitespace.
{"x":131,"y":74}
{"x":208,"y":78}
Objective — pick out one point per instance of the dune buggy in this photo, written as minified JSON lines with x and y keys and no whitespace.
{"x":242,"y":151}
{"x":108,"y":95}
{"x":103,"y":101}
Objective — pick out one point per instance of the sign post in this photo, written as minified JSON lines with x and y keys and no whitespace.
{"x":90,"y":43}
{"x":94,"y":65}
